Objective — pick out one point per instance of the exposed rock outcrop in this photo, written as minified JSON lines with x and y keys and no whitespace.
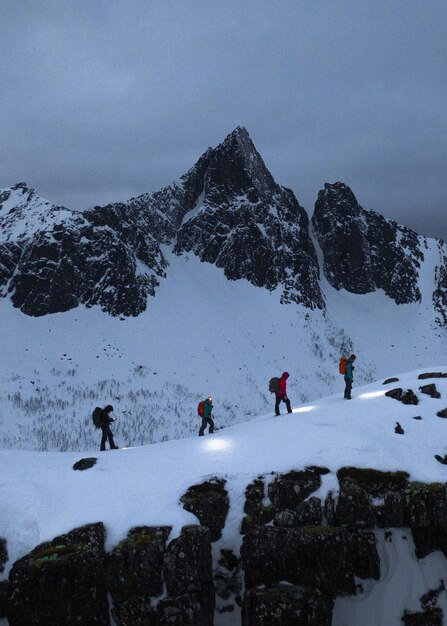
{"x":407,"y":397}
{"x":61,"y":582}
{"x":362,"y":250}
{"x":135,"y":574}
{"x":188,"y":575}
{"x":227,"y":210}
{"x":317,"y":556}
{"x":210,"y":503}
{"x":84,"y":464}
{"x":3,"y":554}
{"x":293,"y":569}
{"x":251,"y":227}
{"x":287,"y":605}
{"x":430,"y":390}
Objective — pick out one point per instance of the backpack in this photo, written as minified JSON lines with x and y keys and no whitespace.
{"x":97,"y":417}
{"x":274,"y":384}
{"x":200,"y":408}
{"x":342,"y":365}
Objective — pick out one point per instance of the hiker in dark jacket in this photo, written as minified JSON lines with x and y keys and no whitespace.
{"x":349,"y":378}
{"x":106,"y":420}
{"x":281,"y":394}
{"x":207,"y":419}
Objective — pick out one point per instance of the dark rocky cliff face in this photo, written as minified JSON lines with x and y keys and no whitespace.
{"x":251,"y":227}
{"x":53,"y":259}
{"x":289,"y":572}
{"x":440,"y":290}
{"x":227,"y":209}
{"x":362,"y":250}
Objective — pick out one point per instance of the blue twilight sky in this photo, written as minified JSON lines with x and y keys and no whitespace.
{"x":103,"y":100}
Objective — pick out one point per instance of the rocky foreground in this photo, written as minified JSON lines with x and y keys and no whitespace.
{"x":299,"y":552}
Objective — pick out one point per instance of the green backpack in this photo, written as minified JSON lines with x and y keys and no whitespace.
{"x":274,"y":384}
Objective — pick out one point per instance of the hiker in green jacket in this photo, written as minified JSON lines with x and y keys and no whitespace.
{"x":206,"y":418}
{"x":349,"y":378}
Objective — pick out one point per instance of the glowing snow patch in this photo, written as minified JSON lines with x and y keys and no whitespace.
{"x":216,"y":444}
{"x":372,"y":394}
{"x":303,"y":409}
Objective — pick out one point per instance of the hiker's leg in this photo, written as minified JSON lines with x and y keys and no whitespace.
{"x":348,"y":389}
{"x":110,"y":436}
{"x":202,"y":428}
{"x":103,"y":438}
{"x":289,"y":409}
{"x":278,"y":400}
{"x":211,"y":423}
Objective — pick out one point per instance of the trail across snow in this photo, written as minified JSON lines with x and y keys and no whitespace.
{"x":42,"y":496}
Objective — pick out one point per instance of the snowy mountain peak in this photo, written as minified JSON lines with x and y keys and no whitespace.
{"x":338,"y":195}
{"x":249,"y":226}
{"x":227,"y":210}
{"x":20,"y":186}
{"x":237,"y":164}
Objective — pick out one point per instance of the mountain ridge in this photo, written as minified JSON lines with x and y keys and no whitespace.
{"x":227,"y":210}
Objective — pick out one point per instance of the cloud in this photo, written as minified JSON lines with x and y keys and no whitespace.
{"x":108,"y":100}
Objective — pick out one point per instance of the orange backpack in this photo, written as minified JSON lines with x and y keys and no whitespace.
{"x":200,"y":408}
{"x":342,"y":365}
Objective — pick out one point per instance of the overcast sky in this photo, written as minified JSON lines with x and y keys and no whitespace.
{"x":103,"y":100}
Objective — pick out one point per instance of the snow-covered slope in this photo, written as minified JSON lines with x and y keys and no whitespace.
{"x":41,"y":496}
{"x":202,"y":335}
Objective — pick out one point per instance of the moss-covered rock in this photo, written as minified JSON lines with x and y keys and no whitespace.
{"x":61,"y":582}
{"x":311,"y":555}
{"x":189,"y":578}
{"x":286,"y":605}
{"x":363,"y":497}
{"x":373,"y":481}
{"x":287,"y":491}
{"x":210,"y":503}
{"x":258,"y":513}
{"x":306,"y":513}
{"x":134,"y":573}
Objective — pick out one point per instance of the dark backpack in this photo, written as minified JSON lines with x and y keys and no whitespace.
{"x":200,"y":408}
{"x":274,"y":384}
{"x":97,"y":417}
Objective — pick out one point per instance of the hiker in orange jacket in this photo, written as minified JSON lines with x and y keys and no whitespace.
{"x":281,"y":394}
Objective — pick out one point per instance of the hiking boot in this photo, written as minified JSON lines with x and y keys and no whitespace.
{"x":114,"y":447}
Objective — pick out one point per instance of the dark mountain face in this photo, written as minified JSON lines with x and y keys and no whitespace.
{"x":54,"y":259}
{"x":362,"y":250}
{"x":440,"y":290}
{"x":227,"y":210}
{"x":251,"y":227}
